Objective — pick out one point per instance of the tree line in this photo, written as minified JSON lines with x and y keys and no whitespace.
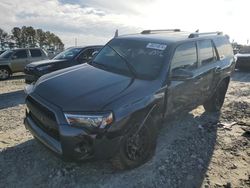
{"x":29,"y":37}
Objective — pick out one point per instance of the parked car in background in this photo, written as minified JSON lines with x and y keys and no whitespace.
{"x":2,"y":51}
{"x":113,"y":106}
{"x":70,"y":57}
{"x":12,"y":61}
{"x":243,"y":59}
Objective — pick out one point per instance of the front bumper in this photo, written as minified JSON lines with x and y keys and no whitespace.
{"x":69,"y":142}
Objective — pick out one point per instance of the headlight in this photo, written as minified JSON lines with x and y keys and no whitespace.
{"x":89,"y":121}
{"x":44,"y":67}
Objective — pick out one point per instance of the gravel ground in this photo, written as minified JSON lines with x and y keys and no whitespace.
{"x":194,"y":150}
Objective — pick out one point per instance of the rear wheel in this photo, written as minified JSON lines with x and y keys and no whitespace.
{"x":215,"y":103}
{"x":137,"y":147}
{"x":4,"y":73}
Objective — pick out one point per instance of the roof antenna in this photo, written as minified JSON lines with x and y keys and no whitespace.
{"x":197,"y":31}
{"x":116,"y":33}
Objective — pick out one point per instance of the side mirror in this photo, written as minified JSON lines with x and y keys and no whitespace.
{"x":181,"y":74}
{"x":94,"y":53}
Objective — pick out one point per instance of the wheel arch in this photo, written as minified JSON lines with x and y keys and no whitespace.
{"x":7,"y":67}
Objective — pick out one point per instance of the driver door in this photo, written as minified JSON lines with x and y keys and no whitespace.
{"x":184,"y":93}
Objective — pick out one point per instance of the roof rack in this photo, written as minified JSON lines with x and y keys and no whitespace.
{"x":193,"y":35}
{"x":160,"y":30}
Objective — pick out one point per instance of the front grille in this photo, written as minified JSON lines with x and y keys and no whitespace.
{"x":43,"y":117}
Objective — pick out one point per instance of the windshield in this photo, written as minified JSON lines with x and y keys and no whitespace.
{"x":7,"y":54}
{"x":125,"y":56}
{"x":68,"y":53}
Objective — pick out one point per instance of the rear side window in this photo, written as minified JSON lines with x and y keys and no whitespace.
{"x":185,"y":57}
{"x":35,"y":53}
{"x":207,"y":52}
{"x":21,"y":54}
{"x":224,"y":47}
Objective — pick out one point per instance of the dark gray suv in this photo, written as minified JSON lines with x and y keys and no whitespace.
{"x":12,"y":61}
{"x":112,"y":107}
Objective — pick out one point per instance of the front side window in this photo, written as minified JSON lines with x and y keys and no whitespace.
{"x":185,"y":57}
{"x":35,"y":53}
{"x":143,"y":59}
{"x":207,"y":53}
{"x":20,"y":54}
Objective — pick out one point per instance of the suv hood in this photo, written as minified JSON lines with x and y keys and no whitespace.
{"x":81,"y":88}
{"x":45,"y":62}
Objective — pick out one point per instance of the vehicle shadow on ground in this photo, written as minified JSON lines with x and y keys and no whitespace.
{"x":12,"y":99}
{"x":184,"y":150}
{"x":17,"y":77}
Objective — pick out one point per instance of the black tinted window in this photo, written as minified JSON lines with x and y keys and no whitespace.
{"x":21,"y":54}
{"x":185,"y":57}
{"x":207,"y":54}
{"x":87,"y":54}
{"x":35,"y":53}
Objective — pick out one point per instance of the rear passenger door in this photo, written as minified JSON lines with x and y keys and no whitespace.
{"x":19,"y":60}
{"x":207,"y":65}
{"x":184,"y":93}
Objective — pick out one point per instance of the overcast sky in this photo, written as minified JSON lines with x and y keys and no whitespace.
{"x":95,"y":21}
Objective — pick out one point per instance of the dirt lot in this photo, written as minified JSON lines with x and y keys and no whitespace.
{"x":195,"y":150}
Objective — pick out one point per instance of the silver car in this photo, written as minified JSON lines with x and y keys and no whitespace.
{"x":12,"y":61}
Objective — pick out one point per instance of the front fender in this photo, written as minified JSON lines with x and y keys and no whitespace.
{"x":144,"y":107}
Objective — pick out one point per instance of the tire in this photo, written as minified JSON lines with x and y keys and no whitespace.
{"x":215,"y":103}
{"x":136,"y":149}
{"x":4,"y":73}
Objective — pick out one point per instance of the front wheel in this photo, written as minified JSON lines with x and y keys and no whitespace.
{"x":215,"y":103}
{"x":4,"y":73}
{"x":137,"y":147}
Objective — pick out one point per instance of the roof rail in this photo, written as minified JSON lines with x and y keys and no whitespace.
{"x":160,"y":30}
{"x":193,"y":35}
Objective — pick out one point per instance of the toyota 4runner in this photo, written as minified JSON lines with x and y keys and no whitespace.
{"x":113,"y":106}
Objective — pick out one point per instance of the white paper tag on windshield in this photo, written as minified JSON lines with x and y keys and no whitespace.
{"x":157,"y":46}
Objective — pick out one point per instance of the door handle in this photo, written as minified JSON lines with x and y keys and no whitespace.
{"x":218,"y":70}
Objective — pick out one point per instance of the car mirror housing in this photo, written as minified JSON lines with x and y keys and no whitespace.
{"x":94,"y":53}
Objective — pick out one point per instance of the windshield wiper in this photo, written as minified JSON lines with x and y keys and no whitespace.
{"x":130,"y":67}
